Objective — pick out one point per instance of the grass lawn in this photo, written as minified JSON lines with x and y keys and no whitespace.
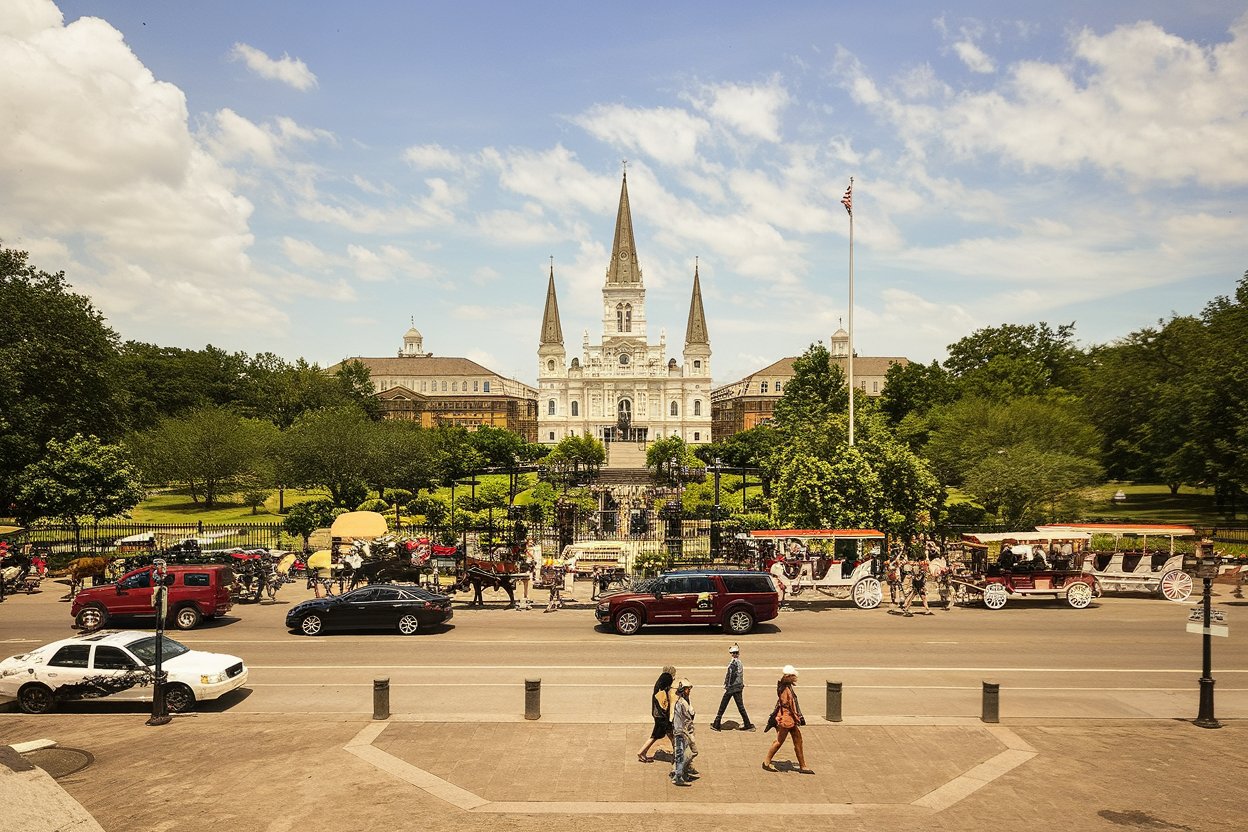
{"x":176,"y":506}
{"x":1146,"y":501}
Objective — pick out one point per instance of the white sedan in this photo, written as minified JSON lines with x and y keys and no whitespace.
{"x":116,"y":664}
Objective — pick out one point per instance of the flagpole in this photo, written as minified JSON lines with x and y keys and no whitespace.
{"x":849,"y":361}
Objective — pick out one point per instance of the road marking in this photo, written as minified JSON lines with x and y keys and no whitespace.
{"x":647,"y":667}
{"x":634,"y":640}
{"x":251,"y":684}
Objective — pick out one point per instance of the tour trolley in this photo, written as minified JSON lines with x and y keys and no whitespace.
{"x":1130,"y":565}
{"x":842,"y":563}
{"x":1027,"y":565}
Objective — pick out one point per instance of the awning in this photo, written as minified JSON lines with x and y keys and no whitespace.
{"x":359,"y":525}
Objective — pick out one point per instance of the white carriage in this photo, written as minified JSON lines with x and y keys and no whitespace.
{"x":1131,"y":564}
{"x":842,"y":563}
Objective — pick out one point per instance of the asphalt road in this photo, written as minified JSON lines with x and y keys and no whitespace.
{"x":1123,"y":657}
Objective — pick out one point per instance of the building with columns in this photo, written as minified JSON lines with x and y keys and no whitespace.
{"x":624,"y":388}
{"x":749,"y":402}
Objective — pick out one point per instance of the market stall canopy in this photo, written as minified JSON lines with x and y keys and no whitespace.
{"x":358,"y":524}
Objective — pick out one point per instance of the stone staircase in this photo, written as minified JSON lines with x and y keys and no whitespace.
{"x":625,"y":455}
{"x":624,"y":476}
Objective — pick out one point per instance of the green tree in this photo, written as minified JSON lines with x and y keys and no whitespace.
{"x":336,"y":449}
{"x":671,"y":461}
{"x":1015,"y":360}
{"x":499,"y":446}
{"x":816,"y":391}
{"x":305,"y":518}
{"x":914,"y":389}
{"x":211,"y":450}
{"x":80,"y":478}
{"x":1025,"y":485}
{"x":58,"y":368}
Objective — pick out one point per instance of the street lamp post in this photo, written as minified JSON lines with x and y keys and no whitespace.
{"x":1206,"y":568}
{"x":716,"y":543}
{"x":160,"y":711}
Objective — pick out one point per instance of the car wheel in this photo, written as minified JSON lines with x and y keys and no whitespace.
{"x":739,"y":622}
{"x":179,"y":699}
{"x":628,"y":622}
{"x":187,"y":618}
{"x":409,"y":625}
{"x":312,"y":625}
{"x":35,"y":699}
{"x":91,"y":617}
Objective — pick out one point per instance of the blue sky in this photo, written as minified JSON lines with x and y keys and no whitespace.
{"x":306,"y":178}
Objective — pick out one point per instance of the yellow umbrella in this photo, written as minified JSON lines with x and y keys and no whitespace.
{"x":320,"y":559}
{"x":287,"y":561}
{"x":358,"y":524}
{"x":9,"y":530}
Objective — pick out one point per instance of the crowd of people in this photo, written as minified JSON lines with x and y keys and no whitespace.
{"x":673,"y":713}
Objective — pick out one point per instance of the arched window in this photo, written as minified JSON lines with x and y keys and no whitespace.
{"x":697,"y":407}
{"x":778,"y":387}
{"x":550,"y":365}
{"x":444,"y":387}
{"x":550,"y":408}
{"x":619,"y":317}
{"x":454,"y":386}
{"x":628,"y":317}
{"x":762,"y":387}
{"x":675,"y":410}
{"x":576,"y":409}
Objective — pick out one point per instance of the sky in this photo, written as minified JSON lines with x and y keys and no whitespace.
{"x":310,"y":179}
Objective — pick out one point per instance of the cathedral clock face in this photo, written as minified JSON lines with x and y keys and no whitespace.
{"x":623,"y":255}
{"x":623,"y":359}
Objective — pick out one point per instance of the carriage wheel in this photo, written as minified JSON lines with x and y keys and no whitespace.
{"x":1079,"y":595}
{"x":867,"y":593}
{"x":1176,"y":585}
{"x":995,"y":596}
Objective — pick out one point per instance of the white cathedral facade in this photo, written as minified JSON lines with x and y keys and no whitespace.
{"x":624,"y":388}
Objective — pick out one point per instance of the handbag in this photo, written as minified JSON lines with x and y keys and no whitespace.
{"x":771,"y":720}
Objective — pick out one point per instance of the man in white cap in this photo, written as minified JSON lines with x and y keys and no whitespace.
{"x":734,"y":684}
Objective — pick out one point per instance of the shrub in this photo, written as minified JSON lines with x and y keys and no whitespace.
{"x":373,"y":505}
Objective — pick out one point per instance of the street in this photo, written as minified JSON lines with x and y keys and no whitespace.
{"x":1095,"y":726}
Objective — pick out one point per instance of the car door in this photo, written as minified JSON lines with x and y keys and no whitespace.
{"x":134,"y":595}
{"x":116,"y":673}
{"x":67,"y":672}
{"x":389,"y":605}
{"x":676,"y":606}
{"x":705,"y":602}
{"x":356,"y":611}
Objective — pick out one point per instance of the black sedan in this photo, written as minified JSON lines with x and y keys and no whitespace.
{"x":409,"y":608}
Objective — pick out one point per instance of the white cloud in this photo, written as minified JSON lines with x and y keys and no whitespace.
{"x":975,"y":58}
{"x":304,"y":254}
{"x":387,"y":262}
{"x":668,"y":135}
{"x":753,"y":110}
{"x":288,"y":70}
{"x":1137,"y":103}
{"x":433,"y":157}
{"x":233,"y":138}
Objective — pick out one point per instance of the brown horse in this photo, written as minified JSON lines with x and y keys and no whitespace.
{"x":80,"y":569}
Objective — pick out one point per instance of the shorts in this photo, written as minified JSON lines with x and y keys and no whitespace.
{"x":662,"y":728}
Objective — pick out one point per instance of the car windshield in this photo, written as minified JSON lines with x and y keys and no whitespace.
{"x":144,"y":649}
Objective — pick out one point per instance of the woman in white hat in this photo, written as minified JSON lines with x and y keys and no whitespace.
{"x":787,"y":719}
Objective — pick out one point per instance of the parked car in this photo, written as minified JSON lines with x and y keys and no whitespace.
{"x":407,"y":608}
{"x":195,"y":593}
{"x":735,"y":600}
{"x":116,"y":665}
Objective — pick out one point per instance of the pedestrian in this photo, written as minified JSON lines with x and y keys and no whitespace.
{"x":781,"y":578}
{"x":734,"y":684}
{"x":787,"y":719}
{"x":682,"y":732}
{"x":916,"y":587}
{"x":661,"y":702}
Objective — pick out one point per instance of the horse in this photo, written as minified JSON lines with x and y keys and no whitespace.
{"x":479,"y":578}
{"x":80,"y":569}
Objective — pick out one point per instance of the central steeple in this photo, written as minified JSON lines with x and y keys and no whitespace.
{"x":623,"y":269}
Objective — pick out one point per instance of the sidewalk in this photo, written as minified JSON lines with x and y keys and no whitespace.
{"x":252,"y":772}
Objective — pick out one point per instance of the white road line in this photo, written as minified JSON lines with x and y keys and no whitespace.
{"x":251,"y":684}
{"x":754,"y":668}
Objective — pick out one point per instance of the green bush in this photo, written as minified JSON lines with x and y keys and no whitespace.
{"x":396,"y":495}
{"x":373,"y":505}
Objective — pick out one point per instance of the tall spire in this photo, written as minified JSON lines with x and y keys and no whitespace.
{"x":695,"y":330}
{"x":552,"y":332}
{"x":623,"y":268}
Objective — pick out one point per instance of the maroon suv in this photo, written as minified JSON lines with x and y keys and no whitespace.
{"x":195,"y":593}
{"x":733,"y":599}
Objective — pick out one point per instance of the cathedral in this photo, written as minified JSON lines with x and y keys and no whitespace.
{"x":624,"y":389}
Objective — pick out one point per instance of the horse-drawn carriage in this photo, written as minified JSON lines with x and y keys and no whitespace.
{"x":1025,"y":565}
{"x":1129,"y":564}
{"x":842,"y":563}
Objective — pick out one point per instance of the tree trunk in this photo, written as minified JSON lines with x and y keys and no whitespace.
{"x":1174,"y":488}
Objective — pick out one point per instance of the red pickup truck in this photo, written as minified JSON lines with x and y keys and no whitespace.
{"x":195,"y":593}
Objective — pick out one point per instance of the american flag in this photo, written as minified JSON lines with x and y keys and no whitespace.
{"x":848,"y":199}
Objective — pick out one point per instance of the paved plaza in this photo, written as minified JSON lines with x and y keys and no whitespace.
{"x":1095,"y":731}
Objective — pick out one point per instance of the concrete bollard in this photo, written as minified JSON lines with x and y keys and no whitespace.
{"x":381,"y":698}
{"x":834,"y":702}
{"x":992,"y":702}
{"x":532,"y":698}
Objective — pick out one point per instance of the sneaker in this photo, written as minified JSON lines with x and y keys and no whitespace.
{"x":749,"y":727}
{"x":715,"y":726}
{"x":690,"y":771}
{"x":680,"y":783}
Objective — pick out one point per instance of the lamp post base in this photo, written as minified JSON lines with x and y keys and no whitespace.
{"x":1206,"y":719}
